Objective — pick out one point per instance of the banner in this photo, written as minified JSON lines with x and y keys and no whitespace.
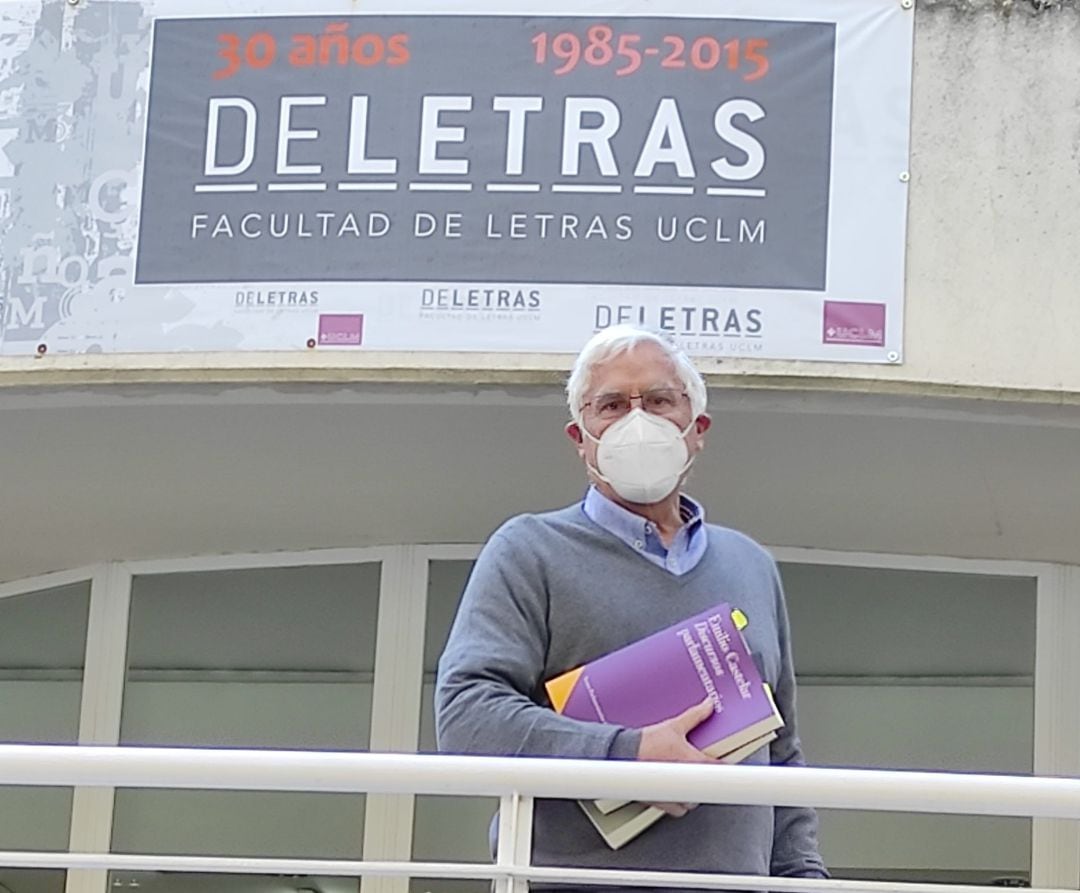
{"x":491,"y":178}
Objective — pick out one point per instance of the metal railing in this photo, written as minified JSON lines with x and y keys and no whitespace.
{"x":516,"y":782}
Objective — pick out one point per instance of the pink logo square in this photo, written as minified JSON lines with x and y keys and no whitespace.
{"x":337,"y":329}
{"x":851,"y":322}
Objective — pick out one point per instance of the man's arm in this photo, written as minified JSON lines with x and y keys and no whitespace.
{"x":494,"y":660}
{"x":795,"y":844}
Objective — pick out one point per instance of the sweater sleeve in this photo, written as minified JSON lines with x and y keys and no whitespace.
{"x":491,"y":669}
{"x":795,"y":844}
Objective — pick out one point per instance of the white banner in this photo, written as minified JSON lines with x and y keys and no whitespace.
{"x":266,"y":176}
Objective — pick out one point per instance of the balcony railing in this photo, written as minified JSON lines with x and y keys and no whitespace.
{"x":517,"y":782}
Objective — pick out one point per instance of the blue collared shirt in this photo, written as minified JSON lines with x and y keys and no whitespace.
{"x":686,"y":550}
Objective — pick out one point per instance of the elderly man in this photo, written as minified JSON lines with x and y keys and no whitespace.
{"x":552,"y":591}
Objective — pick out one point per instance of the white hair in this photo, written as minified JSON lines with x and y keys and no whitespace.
{"x":615,"y":340}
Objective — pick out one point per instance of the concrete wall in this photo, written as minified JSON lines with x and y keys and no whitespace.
{"x":994,"y":218}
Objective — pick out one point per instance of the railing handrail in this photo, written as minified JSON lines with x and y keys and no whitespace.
{"x":351,"y":772}
{"x":580,"y":877}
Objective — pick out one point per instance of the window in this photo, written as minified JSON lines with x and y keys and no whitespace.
{"x":916,"y":670}
{"x":267,"y":658}
{"x":897,"y":669}
{"x":42,"y":655}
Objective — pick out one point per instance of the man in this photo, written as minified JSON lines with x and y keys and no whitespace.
{"x":552,"y":591}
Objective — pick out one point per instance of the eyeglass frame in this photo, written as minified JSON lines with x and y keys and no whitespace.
{"x":630,"y":398}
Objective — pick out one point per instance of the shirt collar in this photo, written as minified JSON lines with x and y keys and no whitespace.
{"x":630,"y":526}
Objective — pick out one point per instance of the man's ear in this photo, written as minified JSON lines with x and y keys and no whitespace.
{"x":573,"y":431}
{"x":701,"y":424}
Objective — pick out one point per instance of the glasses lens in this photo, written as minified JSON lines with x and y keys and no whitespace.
{"x":611,"y":406}
{"x":662,"y":401}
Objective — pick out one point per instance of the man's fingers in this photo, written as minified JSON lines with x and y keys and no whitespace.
{"x":693,"y":716}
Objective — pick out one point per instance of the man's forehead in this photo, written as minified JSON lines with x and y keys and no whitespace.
{"x":644,"y":362}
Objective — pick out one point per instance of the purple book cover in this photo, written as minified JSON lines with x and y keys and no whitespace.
{"x":664,"y":674}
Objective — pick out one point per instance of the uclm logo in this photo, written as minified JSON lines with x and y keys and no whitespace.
{"x":341,"y":329}
{"x":852,"y":322}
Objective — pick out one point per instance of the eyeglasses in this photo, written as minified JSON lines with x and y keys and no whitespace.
{"x":658,"y":401}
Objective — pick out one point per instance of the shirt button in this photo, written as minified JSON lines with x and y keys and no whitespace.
{"x":648,"y":528}
{"x":638,"y":544}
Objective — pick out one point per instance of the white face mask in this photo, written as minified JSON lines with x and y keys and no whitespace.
{"x":641,"y":456}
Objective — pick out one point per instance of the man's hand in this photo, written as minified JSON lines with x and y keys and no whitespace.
{"x":666,"y":742}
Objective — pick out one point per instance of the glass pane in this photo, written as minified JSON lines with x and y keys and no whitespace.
{"x":916,"y":670}
{"x":154,"y":882}
{"x":448,"y":885}
{"x":270,"y":658}
{"x":42,"y":653}
{"x":446,"y":582}
{"x":32,"y":880}
{"x":446,"y":829}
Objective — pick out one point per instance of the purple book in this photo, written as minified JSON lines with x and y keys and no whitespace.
{"x":662,"y":675}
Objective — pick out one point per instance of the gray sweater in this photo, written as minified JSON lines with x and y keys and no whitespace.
{"x":552,"y":591}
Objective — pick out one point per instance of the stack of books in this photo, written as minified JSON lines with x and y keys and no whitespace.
{"x":659,"y":677}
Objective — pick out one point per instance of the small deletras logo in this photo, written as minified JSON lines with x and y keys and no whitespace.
{"x":853,"y":322}
{"x":341,"y":329}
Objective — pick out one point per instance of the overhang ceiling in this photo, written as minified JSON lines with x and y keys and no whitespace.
{"x":145,"y":472}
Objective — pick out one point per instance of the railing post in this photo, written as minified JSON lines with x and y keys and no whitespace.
{"x":514,"y":850}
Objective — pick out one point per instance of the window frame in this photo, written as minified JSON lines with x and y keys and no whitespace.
{"x":398,"y":678}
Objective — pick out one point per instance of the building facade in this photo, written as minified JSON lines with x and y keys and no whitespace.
{"x":265,"y":549}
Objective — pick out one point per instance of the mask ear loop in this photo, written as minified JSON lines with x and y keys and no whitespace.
{"x":690,"y":456}
{"x":592,"y":468}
